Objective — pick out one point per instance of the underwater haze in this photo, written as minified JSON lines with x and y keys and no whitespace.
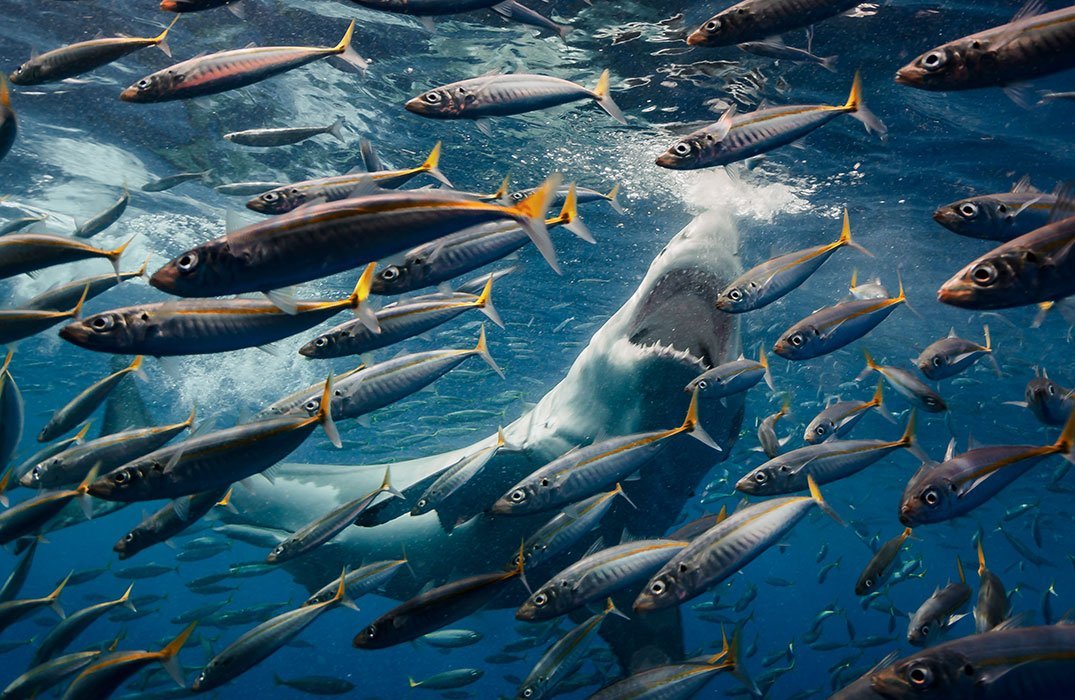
{"x":669,"y":399}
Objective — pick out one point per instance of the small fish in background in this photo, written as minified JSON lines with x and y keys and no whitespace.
{"x":517,"y":12}
{"x":82,"y":406}
{"x":229,"y":70}
{"x":9,"y":124}
{"x":102,"y":221}
{"x":872,"y":289}
{"x":83,"y":57}
{"x":507,"y":94}
{"x":756,"y":20}
{"x":51,"y":673}
{"x":170,"y":181}
{"x":11,"y":611}
{"x":879,"y":568}
{"x":737,"y":137}
{"x":770,"y":444}
{"x":992,"y":606}
{"x":247,"y":189}
{"x":833,"y":327}
{"x":20,"y":223}
{"x":452,"y":639}
{"x":447,"y":680}
{"x":774,"y":47}
{"x":939,"y":612}
{"x":906,"y":384}
{"x":1034,"y":44}
{"x":64,"y":296}
{"x":285,"y":136}
{"x":953,"y":355}
{"x":999,"y":217}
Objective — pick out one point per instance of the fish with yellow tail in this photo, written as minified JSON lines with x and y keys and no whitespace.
{"x":726,"y":548}
{"x":736,"y":137}
{"x":879,"y":568}
{"x":9,"y":124}
{"x":18,"y":324}
{"x":108,"y":673}
{"x":29,"y":252}
{"x":940,"y":492}
{"x":82,"y":406}
{"x":939,"y":612}
{"x":992,"y":606}
{"x":83,"y":57}
{"x":833,"y":327}
{"x":229,"y":70}
{"x":323,"y":239}
{"x":585,"y":471}
{"x":906,"y":384}
{"x":951,"y":355}
{"x":837,"y":419}
{"x":11,"y":611}
{"x":732,"y":377}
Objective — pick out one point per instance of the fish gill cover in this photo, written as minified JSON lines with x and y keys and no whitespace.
{"x":627,"y":210}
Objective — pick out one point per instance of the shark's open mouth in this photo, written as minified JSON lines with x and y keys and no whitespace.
{"x":680,"y":320}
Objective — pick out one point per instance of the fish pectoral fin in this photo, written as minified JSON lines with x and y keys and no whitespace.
{"x":953,"y":619}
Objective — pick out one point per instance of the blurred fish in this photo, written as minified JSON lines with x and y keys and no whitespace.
{"x":774,"y":47}
{"x":167,"y":183}
{"x":100,"y":222}
{"x":456,"y":678}
{"x":108,"y":673}
{"x":833,"y":327}
{"x":775,"y":278}
{"x":839,"y":418}
{"x":1050,"y":402}
{"x":41,"y":677}
{"x":30,"y":252}
{"x":999,"y":217}
{"x":562,"y":657}
{"x":68,"y":629}
{"x":230,"y":70}
{"x":879,"y":568}
{"x":285,"y":136}
{"x":734,"y":138}
{"x":501,"y":95}
{"x":83,"y":57}
{"x":940,"y":492}
{"x":12,"y":611}
{"x":199,"y":5}
{"x":64,"y":296}
{"x":868,"y":290}
{"x":452,"y":639}
{"x":950,"y":356}
{"x":770,"y":443}
{"x":361,"y":581}
{"x":246,"y":189}
{"x":12,"y":420}
{"x":16,"y":225}
{"x":316,"y":685}
{"x":1033,"y":44}
{"x":18,"y":324}
{"x":518,"y":12}
{"x":9,"y":125}
{"x":752,"y":20}
{"x":85,"y":403}
{"x":583,"y":195}
{"x":14,"y":582}
{"x":144,"y":571}
{"x":285,"y":198}
{"x":169,"y":521}
{"x":939,"y":612}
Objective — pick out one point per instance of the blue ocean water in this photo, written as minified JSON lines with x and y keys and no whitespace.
{"x":78,"y":146}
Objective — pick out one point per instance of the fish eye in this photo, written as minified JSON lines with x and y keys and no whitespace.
{"x":735,"y":295}
{"x":924,"y":630}
{"x":920,"y":676}
{"x":371,"y":631}
{"x":422,"y":504}
{"x":390,"y":273}
{"x":540,"y":599}
{"x":1002,"y":208}
{"x":984,"y":274}
{"x":796,"y":340}
{"x":432,"y":98}
{"x":868,"y":583}
{"x":312,"y":405}
{"x":937,"y":362}
{"x":517,"y":496}
{"x":36,"y":472}
{"x":713,"y":25}
{"x":702,"y":385}
{"x":544,"y":482}
{"x":143,"y":83}
{"x":658,"y":588}
{"x":321,"y":341}
{"x":682,"y":148}
{"x":1052,"y":390}
{"x":820,"y":430}
{"x":187,"y":262}
{"x":528,"y":692}
{"x":929,"y":401}
{"x":129,"y":537}
{"x":934,"y":60}
{"x":930,"y":497}
{"x":969,"y":210}
{"x":270,"y":197}
{"x":102,"y":323}
{"x":760,"y":477}
{"x":122,"y":477}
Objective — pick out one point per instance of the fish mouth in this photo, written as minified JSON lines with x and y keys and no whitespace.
{"x":76,"y":333}
{"x":415,"y":106}
{"x":696,"y":38}
{"x":905,"y":76}
{"x":905,"y":517}
{"x":129,"y":95}
{"x":678,"y":320}
{"x":164,"y":279}
{"x":945,"y":217}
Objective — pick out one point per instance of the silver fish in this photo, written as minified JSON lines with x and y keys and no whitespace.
{"x":567,"y":527}
{"x":99,"y":222}
{"x":992,"y":606}
{"x":169,"y":521}
{"x":939,"y":612}
{"x":65,"y":296}
{"x":732,"y":378}
{"x":82,"y":406}
{"x":29,"y":252}
{"x":952,"y":355}
{"x":752,"y":20}
{"x":769,"y":442}
{"x":906,"y":385}
{"x":101,"y":678}
{"x":285,"y":136}
{"x":838,"y":419}
{"x":170,"y":181}
{"x":65,"y":632}
{"x":456,"y":476}
{"x":359,"y":582}
{"x":879,"y":568}
{"x":998,"y":217}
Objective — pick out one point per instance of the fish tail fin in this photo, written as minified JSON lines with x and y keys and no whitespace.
{"x":900,"y":298}
{"x":989,"y":350}
{"x":141,"y":272}
{"x":871,"y":366}
{"x":359,"y":299}
{"x":190,"y":419}
{"x":618,"y":491}
{"x":829,"y":63}
{"x":981,"y":558}
{"x":169,"y":655}
{"x":53,"y":597}
{"x":336,"y":130}
{"x":764,"y":362}
{"x":611,"y":609}
{"x":411,"y":683}
{"x":909,"y":440}
{"x":815,"y":493}
{"x":692,"y":427}
{"x":604,"y":98}
{"x":1065,"y":444}
{"x":5,"y":92}
{"x":845,"y":239}
{"x":530,"y":214}
{"x":878,"y":402}
{"x":347,"y":53}
{"x":7,"y":362}
{"x":854,"y":280}
{"x":569,"y":216}
{"x":125,"y":599}
{"x":858,"y":109}
{"x":114,"y":255}
{"x":613,"y":198}
{"x":959,"y":568}
{"x":135,"y":367}
{"x":341,"y":597}
{"x":225,"y":502}
{"x":4,"y":481}
{"x":520,"y":562}
{"x":161,"y":40}
{"x":324,"y":413}
{"x":484,"y":303}
{"x":431,"y":166}
{"x":77,"y":310}
{"x":482,"y":350}
{"x":386,"y":484}
{"x":905,"y":534}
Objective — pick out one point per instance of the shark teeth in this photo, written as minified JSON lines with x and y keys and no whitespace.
{"x":670,"y":352}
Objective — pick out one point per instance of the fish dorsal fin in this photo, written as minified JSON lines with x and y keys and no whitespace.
{"x":1017,"y":620}
{"x":743,"y":503}
{"x":884,"y":663}
{"x":951,"y":451}
{"x":594,"y":548}
{"x":972,"y":443}
{"x":1032,"y":8}
{"x":952,"y":332}
{"x":724,"y":124}
{"x":1024,"y":186}
{"x":1065,"y":202}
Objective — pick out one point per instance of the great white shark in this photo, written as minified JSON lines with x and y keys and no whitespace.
{"x":629,"y":378}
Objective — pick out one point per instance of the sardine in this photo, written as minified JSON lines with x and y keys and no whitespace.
{"x":363,"y":580}
{"x":65,"y":632}
{"x":907,"y":385}
{"x":285,"y":136}
{"x":732,"y":378}
{"x":753,"y":20}
{"x":83,"y":405}
{"x":562,"y":657}
{"x":170,"y":181}
{"x":879,"y":568}
{"x":100,"y":222}
{"x":952,"y":355}
{"x":998,"y":217}
{"x":838,"y":419}
{"x":30,"y":252}
{"x":172,"y":519}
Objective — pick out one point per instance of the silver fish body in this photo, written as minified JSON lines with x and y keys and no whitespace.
{"x":99,"y":222}
{"x":359,"y":582}
{"x":41,"y":677}
{"x":28,"y":252}
{"x":1050,"y":402}
{"x":950,"y":356}
{"x":997,"y":217}
{"x":566,"y":528}
{"x":838,"y":419}
{"x":834,"y":327}
{"x":172,"y":519}
{"x":908,"y":385}
{"x":561,"y":658}
{"x":85,"y":403}
{"x":754,"y":20}
{"x":284,"y":136}
{"x":934,"y":616}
